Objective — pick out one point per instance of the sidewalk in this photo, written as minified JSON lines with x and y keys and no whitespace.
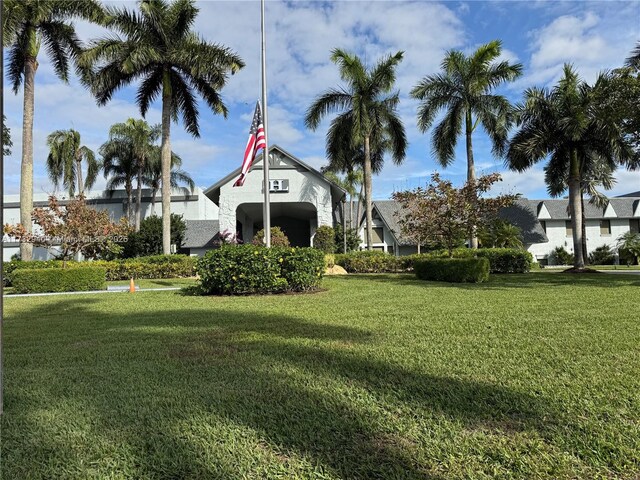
{"x":109,"y":290}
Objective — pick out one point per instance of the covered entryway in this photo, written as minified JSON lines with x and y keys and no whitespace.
{"x":298,"y":220}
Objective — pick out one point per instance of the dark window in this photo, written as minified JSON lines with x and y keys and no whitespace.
{"x":568,"y":228}
{"x":605,"y":227}
{"x":634,"y":225}
{"x":377,"y":236}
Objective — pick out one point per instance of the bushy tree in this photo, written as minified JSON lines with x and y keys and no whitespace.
{"x":445,"y":214}
{"x":630,"y":243}
{"x":500,"y":234}
{"x":324,"y":239}
{"x":148,"y":240}
{"x":74,"y":228}
{"x":278,"y":238}
{"x":353,"y":239}
{"x":602,"y":255}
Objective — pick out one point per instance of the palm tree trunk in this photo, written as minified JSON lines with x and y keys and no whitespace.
{"x":154,"y":191}
{"x":166,"y":164}
{"x":79,"y":176}
{"x":585,"y":253}
{"x":26,"y":168}
{"x":576,"y":209}
{"x":128,"y":188}
{"x":359,"y":210}
{"x":471,"y":172}
{"x":367,"y":191}
{"x":350,"y":211}
{"x":139,"y":198}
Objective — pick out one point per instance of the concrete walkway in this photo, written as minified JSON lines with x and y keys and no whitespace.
{"x":89,"y":292}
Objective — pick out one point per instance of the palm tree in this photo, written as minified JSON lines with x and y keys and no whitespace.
{"x":463,"y":89}
{"x":368,"y":114}
{"x":26,"y":25}
{"x":6,"y":138}
{"x":152,"y":176}
{"x":564,"y":125}
{"x":157,"y":45}
{"x":142,"y":137}
{"x":120,"y":168}
{"x":634,"y":59}
{"x":64,"y":162}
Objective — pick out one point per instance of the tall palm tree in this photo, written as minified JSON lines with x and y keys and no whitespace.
{"x":463,"y":89}
{"x":564,"y":125}
{"x":156,"y":44}
{"x":26,"y":25}
{"x":152,"y":176}
{"x":368,"y":113}
{"x":142,"y":137}
{"x":120,"y":168}
{"x":64,"y":162}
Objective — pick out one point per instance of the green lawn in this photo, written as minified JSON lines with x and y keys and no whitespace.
{"x":378,"y":377}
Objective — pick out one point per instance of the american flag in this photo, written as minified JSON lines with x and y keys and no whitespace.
{"x":256,"y":141}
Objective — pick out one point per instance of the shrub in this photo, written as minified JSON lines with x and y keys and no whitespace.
{"x":602,"y":255}
{"x":329,"y":260}
{"x":456,"y":270}
{"x":59,"y":280}
{"x":278,"y":238}
{"x":368,"y":262}
{"x":148,"y":241}
{"x":559,"y":256}
{"x":506,"y":260}
{"x":8,"y":268}
{"x":353,"y":239}
{"x":246,"y":269}
{"x":324,"y":239}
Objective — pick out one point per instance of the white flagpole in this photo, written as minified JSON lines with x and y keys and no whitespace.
{"x":266,"y":209}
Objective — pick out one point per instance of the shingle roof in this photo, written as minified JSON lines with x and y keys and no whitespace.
{"x":624,"y":207}
{"x":201,"y":233}
{"x":558,"y":209}
{"x":524,"y":215}
{"x":632,"y":194}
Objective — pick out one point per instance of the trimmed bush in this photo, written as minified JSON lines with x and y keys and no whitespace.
{"x":602,"y":255}
{"x":42,"y":280}
{"x":368,"y":262}
{"x":324,"y":239}
{"x":455,"y":270}
{"x":152,"y":267}
{"x":506,"y":260}
{"x":246,"y":269}
{"x":278,"y":238}
{"x":559,"y":256}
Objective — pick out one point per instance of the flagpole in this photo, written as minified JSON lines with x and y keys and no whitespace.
{"x":266,"y":209}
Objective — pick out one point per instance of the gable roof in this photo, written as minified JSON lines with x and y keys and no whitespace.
{"x":213,"y":192}
{"x":558,"y":209}
{"x":201,"y":233}
{"x":624,"y":207}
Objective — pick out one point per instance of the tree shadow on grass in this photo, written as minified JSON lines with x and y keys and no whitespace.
{"x":513,"y":280}
{"x":297,"y":385}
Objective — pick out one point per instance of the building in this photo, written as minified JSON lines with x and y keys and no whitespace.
{"x":302,"y":199}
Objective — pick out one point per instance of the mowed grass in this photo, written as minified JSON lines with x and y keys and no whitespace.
{"x":379,"y":376}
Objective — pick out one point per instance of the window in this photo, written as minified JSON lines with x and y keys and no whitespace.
{"x":390,"y":249}
{"x":605,"y":227}
{"x":568,"y":228}
{"x":377,"y":236}
{"x":634,"y":225}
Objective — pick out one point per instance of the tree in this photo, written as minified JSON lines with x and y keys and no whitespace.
{"x":26,"y":25}
{"x":278,"y":238}
{"x":152,"y":176}
{"x":148,"y":240}
{"x":324,"y":239}
{"x":633,"y":61}
{"x":6,"y":138}
{"x":119,"y":167}
{"x":500,"y":234}
{"x":630,"y":242}
{"x":64,"y":162}
{"x":140,"y":136}
{"x":368,"y":116}
{"x":157,"y":45}
{"x":74,"y":228}
{"x":565,"y":125}
{"x":463,"y":89}
{"x":441,"y":213}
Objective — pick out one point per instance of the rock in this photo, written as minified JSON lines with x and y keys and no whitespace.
{"x":335,"y":270}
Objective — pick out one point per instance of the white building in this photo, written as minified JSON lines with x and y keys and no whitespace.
{"x":302,"y":199}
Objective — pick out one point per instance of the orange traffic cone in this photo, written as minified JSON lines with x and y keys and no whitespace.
{"x":132,"y":286}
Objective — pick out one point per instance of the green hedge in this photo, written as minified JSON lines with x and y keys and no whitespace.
{"x":42,"y":280}
{"x":507,"y":260}
{"x":246,"y":269}
{"x":368,"y":262}
{"x":455,"y":270}
{"x":155,"y":266}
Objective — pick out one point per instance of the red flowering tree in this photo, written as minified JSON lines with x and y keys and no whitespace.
{"x":442,"y":213}
{"x":73,"y":228}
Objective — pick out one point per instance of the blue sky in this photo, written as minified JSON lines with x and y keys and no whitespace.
{"x":542,"y":35}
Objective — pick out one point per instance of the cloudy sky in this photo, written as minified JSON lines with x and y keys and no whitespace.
{"x":542,"y":35}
